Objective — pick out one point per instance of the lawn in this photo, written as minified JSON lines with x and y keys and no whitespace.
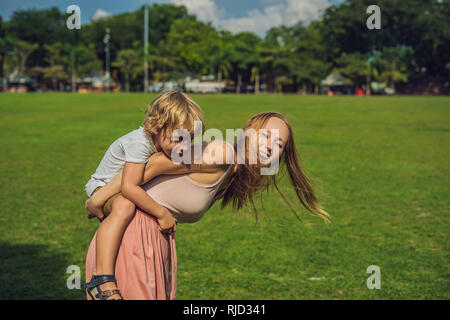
{"x":381,"y":165}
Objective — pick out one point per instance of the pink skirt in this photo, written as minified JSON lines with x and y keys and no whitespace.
{"x":143,"y":261}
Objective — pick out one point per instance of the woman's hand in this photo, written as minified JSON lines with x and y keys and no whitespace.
{"x":167,"y":222}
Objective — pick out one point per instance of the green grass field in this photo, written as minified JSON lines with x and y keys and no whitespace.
{"x":381,"y":165}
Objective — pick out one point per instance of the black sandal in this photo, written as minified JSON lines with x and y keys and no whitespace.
{"x":93,"y":288}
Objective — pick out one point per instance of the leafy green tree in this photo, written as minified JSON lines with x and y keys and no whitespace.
{"x":266,"y":67}
{"x":353,"y":67}
{"x":245,"y":58}
{"x":127,"y":28}
{"x":80,"y":60}
{"x":295,"y":58}
{"x":130,"y":65}
{"x":221,"y":59}
{"x":277,"y":58}
{"x":193,"y":44}
{"x":419,"y":24}
{"x":161,"y":62}
{"x":255,"y":77}
{"x":23,"y":50}
{"x":395,"y":65}
{"x":161,"y":19}
{"x":55,"y":69}
{"x":7,"y":59}
{"x":310,"y":65}
{"x":39,"y":26}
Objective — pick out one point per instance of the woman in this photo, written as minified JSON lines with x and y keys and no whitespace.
{"x":146,"y":254}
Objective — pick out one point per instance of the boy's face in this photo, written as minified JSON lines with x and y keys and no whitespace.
{"x":164,"y":143}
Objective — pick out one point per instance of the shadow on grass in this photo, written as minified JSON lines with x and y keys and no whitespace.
{"x":29,"y":271}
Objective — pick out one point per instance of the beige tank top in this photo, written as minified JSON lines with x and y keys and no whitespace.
{"x":186,"y":199}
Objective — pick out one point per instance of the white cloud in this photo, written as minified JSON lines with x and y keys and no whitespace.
{"x":286,"y":12}
{"x":101,"y":14}
{"x":205,"y":10}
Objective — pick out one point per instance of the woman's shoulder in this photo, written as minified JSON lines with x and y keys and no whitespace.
{"x":219,"y":152}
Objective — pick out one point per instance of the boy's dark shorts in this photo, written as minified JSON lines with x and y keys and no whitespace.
{"x":107,"y":207}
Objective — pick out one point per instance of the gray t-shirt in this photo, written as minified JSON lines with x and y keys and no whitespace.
{"x":133,"y":147}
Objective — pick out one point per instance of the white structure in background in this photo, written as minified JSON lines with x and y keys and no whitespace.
{"x":335,"y":84}
{"x":95,"y":82}
{"x":163,"y":86}
{"x":334,"y":79}
{"x":208,"y":86}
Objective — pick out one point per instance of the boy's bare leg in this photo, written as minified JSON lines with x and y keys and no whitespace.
{"x":109,"y":235}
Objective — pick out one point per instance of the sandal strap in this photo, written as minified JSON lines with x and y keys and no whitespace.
{"x":104,"y":295}
{"x":98,"y":280}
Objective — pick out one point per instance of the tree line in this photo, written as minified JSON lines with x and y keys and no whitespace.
{"x":413,"y":44}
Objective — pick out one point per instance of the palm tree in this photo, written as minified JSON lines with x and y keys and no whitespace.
{"x":55,"y":70}
{"x":7,"y":58}
{"x":23,"y":50}
{"x":80,"y":60}
{"x":267,"y":68}
{"x":129,"y":63}
{"x":255,"y":77}
{"x":277,"y":64}
{"x":160,"y":64}
{"x":395,"y":67}
{"x":244,"y":55}
{"x":221,"y":60}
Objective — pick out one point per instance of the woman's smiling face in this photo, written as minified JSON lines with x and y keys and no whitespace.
{"x":273,"y":138}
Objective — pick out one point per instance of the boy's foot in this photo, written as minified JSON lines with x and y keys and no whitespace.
{"x":93,"y":210}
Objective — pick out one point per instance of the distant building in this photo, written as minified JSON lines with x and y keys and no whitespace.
{"x":206,"y":85}
{"x":160,"y":86}
{"x":17,"y":83}
{"x":95,"y":82}
{"x":335,"y":84}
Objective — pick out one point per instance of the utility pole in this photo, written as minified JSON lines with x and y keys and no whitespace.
{"x":146,"y":47}
{"x":107,"y":62}
{"x":369,"y":72}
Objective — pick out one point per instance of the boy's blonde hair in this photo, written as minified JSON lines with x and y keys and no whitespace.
{"x":170,"y":111}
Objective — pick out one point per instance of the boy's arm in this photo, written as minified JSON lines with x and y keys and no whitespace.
{"x":158,"y":164}
{"x":99,"y":198}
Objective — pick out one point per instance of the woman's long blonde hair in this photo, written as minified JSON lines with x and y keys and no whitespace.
{"x":246,"y":181}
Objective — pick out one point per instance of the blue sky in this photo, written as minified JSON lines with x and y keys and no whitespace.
{"x":234,"y":15}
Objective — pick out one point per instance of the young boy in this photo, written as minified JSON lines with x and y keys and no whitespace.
{"x":130,"y":153}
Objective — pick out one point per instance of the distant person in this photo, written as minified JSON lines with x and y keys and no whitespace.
{"x":359,"y":92}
